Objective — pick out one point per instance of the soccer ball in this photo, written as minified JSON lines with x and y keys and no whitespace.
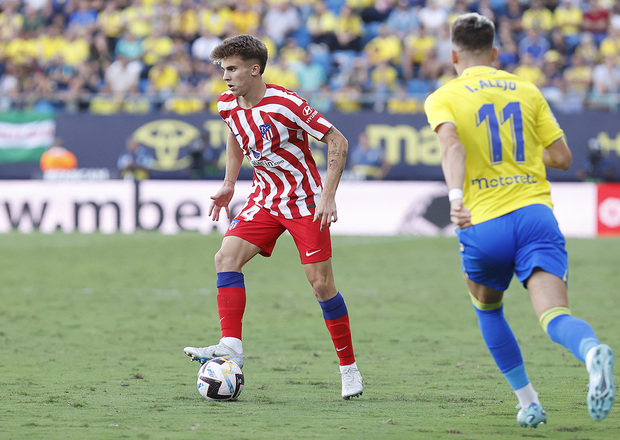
{"x":220,"y":379}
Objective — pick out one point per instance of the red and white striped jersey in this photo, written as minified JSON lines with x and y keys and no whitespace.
{"x":274,"y":137}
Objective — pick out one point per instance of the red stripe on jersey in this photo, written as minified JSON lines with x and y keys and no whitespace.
{"x":274,"y":137}
{"x":304,"y":146}
{"x":272,"y":175}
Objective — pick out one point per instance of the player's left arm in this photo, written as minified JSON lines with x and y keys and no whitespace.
{"x":453,"y":165}
{"x":558,"y":155}
{"x":337,"y":150}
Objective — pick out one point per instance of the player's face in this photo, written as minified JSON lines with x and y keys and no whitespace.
{"x":238,"y":74}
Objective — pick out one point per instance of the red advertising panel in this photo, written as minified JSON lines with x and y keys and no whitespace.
{"x":608,"y":209}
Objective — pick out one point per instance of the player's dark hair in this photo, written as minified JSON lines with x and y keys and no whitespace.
{"x":247,"y":47}
{"x":473,"y":32}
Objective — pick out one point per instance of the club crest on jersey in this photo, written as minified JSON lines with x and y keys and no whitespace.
{"x":266,"y":131}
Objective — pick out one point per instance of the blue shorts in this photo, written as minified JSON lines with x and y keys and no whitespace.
{"x":515,"y":243}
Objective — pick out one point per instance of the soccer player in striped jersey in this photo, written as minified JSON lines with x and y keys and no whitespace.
{"x":497,"y":135}
{"x":269,"y":125}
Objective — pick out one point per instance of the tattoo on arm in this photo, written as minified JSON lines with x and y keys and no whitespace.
{"x":335,"y":149}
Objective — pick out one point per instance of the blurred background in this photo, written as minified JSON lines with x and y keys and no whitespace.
{"x":100,"y":91}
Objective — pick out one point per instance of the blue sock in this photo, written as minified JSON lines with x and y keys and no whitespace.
{"x":572,"y":333}
{"x":503,"y":346}
{"x":334,"y":308}
{"x":230,"y":279}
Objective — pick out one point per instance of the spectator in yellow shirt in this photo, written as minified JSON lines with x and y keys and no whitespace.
{"x":384,"y":47}
{"x":578,"y":77}
{"x":76,"y":50}
{"x":244,"y":18}
{"x":163,"y":78}
{"x":157,"y":45}
{"x":137,"y":18}
{"x":11,"y":20}
{"x":217,"y":21}
{"x":610,"y":46}
{"x":417,"y":46}
{"x":20,"y":49}
{"x":528,"y":70}
{"x":184,"y":102}
{"x":537,"y":16}
{"x":280,"y":73}
{"x":183,"y":20}
{"x":568,"y":17}
{"x":50,"y":43}
{"x":349,"y":30}
{"x":110,"y":21}
{"x":322,"y":26}
{"x":587,"y":49}
{"x":348,"y":99}
{"x":292,"y":52}
{"x":384,"y":78}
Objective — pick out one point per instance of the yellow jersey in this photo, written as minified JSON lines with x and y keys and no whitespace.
{"x":504,"y":122}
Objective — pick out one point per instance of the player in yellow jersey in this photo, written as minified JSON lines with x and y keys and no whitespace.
{"x":497,"y":135}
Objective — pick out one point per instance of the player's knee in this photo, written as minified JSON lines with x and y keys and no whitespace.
{"x":225,"y":261}
{"x":323,"y":288}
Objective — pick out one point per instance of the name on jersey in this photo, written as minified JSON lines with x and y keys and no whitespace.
{"x":484,"y":183}
{"x":493,"y":84}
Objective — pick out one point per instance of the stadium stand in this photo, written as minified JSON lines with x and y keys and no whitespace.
{"x":142,"y":56}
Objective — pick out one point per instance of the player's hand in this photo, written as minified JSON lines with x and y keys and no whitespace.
{"x":221,"y":199}
{"x":326,"y":212}
{"x":459,"y":214}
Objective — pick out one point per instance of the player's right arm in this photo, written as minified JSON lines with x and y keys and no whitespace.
{"x":557,"y":155}
{"x":234,"y":159}
{"x":453,"y":165}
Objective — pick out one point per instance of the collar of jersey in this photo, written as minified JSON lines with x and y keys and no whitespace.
{"x":476,"y":70}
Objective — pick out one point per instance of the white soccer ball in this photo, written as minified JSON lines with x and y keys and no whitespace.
{"x":220,"y":379}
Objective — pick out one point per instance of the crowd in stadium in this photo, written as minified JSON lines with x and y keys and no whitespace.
{"x":140,"y":56}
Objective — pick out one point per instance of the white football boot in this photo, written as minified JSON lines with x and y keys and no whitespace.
{"x":351,"y":381}
{"x":204,"y":354}
{"x":602,"y":391}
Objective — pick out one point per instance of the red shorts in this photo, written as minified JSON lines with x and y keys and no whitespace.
{"x":261,"y":228}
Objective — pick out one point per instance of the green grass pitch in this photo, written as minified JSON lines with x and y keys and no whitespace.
{"x":92,"y":329}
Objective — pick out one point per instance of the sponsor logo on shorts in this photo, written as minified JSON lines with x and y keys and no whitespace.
{"x":310,"y":253}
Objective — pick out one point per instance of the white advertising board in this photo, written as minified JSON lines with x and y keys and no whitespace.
{"x":364,"y":208}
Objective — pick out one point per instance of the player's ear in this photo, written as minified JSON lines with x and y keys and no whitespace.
{"x":494,"y":54}
{"x":255,"y":70}
{"x":455,"y":56}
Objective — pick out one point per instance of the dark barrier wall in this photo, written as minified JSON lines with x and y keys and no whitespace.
{"x":193,"y":146}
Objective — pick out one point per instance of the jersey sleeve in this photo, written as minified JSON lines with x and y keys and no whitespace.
{"x":316,"y":121}
{"x":308,"y":118}
{"x":547,"y":126}
{"x":438,"y":111}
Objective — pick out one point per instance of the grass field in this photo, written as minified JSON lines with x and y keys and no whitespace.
{"x":92,"y":329}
